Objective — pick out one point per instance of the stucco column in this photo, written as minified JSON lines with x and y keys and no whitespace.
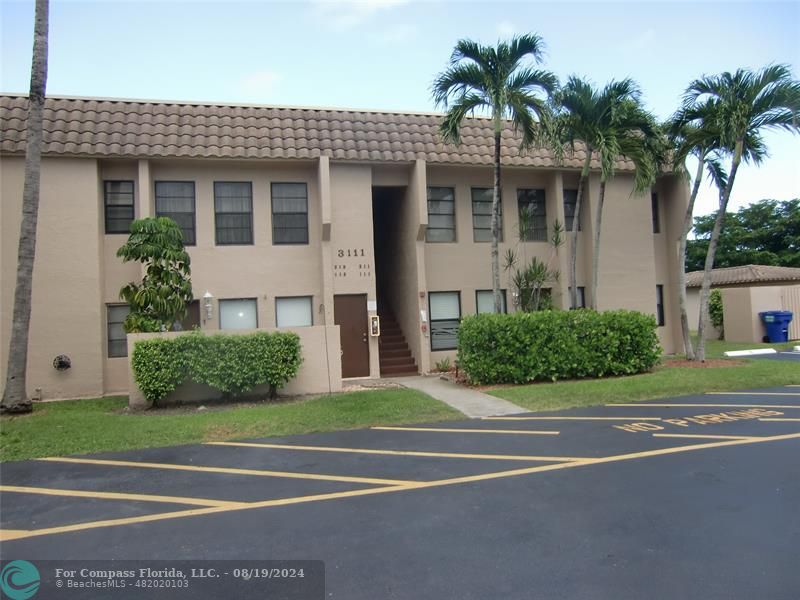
{"x":418,"y":195}
{"x":324,"y":185}
{"x":144,"y":192}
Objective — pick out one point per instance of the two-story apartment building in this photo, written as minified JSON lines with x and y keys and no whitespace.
{"x":305,"y":217}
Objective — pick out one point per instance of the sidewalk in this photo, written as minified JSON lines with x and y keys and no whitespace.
{"x":472,"y":403}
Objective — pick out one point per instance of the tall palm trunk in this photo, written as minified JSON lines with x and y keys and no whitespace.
{"x":498,"y":307}
{"x":15,"y":397}
{"x":705,"y":290}
{"x":573,"y":239}
{"x":596,"y":256}
{"x":687,"y":227}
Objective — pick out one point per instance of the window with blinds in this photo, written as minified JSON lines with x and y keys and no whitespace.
{"x":289,"y":213}
{"x":175,"y":199}
{"x":233,"y":212}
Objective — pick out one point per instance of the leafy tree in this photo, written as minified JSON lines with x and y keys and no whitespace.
{"x":15,"y":394}
{"x":693,"y":132}
{"x":161,"y":298}
{"x":765,"y":233}
{"x":610,"y":123}
{"x":500,"y":81}
{"x":745,"y":104}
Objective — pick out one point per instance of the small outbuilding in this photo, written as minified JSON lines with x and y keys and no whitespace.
{"x":747,"y":291}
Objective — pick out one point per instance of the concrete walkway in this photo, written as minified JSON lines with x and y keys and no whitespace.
{"x":472,"y":403}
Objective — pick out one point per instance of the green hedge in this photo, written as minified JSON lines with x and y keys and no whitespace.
{"x":551,"y":345}
{"x":232,"y":364}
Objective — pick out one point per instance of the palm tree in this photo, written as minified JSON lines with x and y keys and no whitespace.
{"x":610,"y":123}
{"x":498,"y":81}
{"x":15,"y":396}
{"x":693,"y":132}
{"x":746,"y":104}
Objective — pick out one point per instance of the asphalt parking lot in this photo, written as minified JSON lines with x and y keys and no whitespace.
{"x":692,"y":497}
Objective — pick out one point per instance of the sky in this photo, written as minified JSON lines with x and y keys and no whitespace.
{"x":384,"y":54}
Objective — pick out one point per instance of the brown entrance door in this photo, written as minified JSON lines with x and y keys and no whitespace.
{"x":350,"y":314}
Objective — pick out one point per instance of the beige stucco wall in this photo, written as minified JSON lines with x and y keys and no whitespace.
{"x":320,"y":372}
{"x":66,"y":316}
{"x":77,"y":272}
{"x":741,"y":305}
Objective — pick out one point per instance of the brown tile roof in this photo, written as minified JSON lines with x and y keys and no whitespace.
{"x":745,"y":274}
{"x":135,"y":128}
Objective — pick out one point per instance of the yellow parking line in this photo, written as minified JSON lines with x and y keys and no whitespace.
{"x":447,"y":430}
{"x":752,"y":393}
{"x":571,"y":418}
{"x":399,"y":452}
{"x":228,"y":471}
{"x":606,"y":459}
{"x":710,"y":405}
{"x":12,"y":534}
{"x":116,"y":496}
{"x":704,"y":436}
{"x":778,"y":419}
{"x":19,"y":534}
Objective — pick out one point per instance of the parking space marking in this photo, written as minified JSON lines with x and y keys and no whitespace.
{"x":116,"y":496}
{"x":752,"y":393}
{"x":778,"y":419}
{"x":13,"y":534}
{"x":228,"y":471}
{"x":706,"y":436}
{"x":571,"y":418}
{"x":19,"y":534}
{"x":400,"y":452}
{"x":447,"y":430}
{"x":710,"y":405}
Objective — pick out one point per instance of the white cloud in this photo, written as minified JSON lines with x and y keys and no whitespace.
{"x":260,"y":85}
{"x":506,"y":29}
{"x":341,"y":15}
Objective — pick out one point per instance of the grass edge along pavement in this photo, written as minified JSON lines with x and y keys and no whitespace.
{"x":102,"y":424}
{"x":663,"y":382}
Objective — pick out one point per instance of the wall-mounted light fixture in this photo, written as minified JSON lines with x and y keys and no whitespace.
{"x":208,"y":304}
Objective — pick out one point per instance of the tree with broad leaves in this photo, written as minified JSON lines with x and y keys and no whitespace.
{"x":160,"y":300}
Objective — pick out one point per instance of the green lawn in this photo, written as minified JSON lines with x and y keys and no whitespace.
{"x":83,"y":426}
{"x":663,"y":382}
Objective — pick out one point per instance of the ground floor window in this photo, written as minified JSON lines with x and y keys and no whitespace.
{"x":240,"y":313}
{"x":581,"y":296}
{"x":117,"y":338}
{"x":293,"y":312}
{"x":445,"y":311}
{"x":660,"y":305}
{"x":484,"y":301}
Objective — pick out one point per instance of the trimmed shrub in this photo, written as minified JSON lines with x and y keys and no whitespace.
{"x":552,"y":345}
{"x":232,"y":364}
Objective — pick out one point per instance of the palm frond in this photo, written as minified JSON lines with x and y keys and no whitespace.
{"x":459,"y":109}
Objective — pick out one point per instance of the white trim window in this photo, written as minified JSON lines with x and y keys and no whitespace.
{"x":445,"y":311}
{"x":293,"y":311}
{"x":238,"y":313}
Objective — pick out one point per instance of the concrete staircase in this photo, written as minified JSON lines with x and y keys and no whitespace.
{"x":395,"y":356}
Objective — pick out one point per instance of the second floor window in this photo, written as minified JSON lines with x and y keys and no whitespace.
{"x":570,"y":202}
{"x":175,"y":199}
{"x":656,"y":215}
{"x":532,"y":215}
{"x":233,"y":212}
{"x":289,"y":213}
{"x":118,"y":203}
{"x":482,"y":199}
{"x":441,"y":215}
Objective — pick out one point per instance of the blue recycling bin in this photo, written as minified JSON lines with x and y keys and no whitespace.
{"x":776,"y":322}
